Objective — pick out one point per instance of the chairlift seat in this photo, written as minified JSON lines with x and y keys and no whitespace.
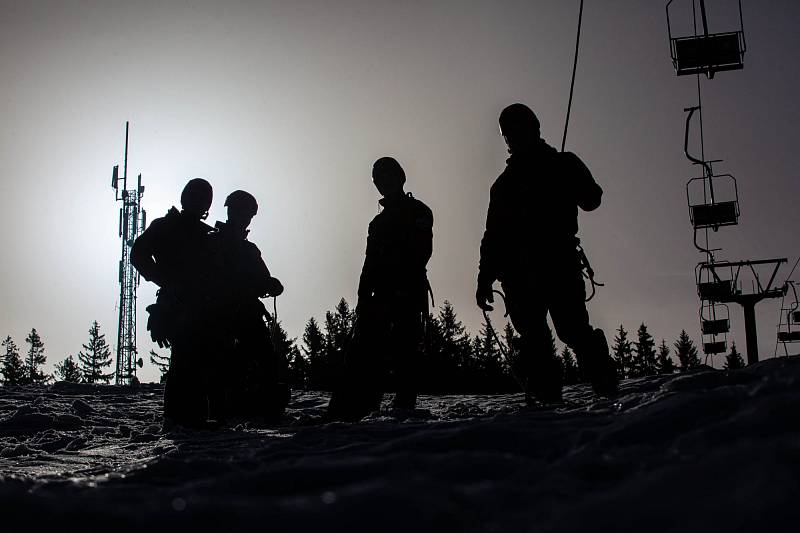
{"x":708,"y":53}
{"x":789,"y":336}
{"x":714,"y":215}
{"x":715,"y":290}
{"x":711,"y":348}
{"x":715,"y":327}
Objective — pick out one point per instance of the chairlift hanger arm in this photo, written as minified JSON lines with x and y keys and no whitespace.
{"x":706,"y":165}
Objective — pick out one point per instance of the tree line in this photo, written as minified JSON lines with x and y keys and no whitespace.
{"x":89,"y":367}
{"x":453,"y":360}
{"x":457,"y":362}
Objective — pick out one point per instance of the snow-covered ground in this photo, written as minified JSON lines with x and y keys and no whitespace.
{"x":707,"y":451}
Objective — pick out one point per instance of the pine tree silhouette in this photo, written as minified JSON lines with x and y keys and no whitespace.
{"x":622,"y":353}
{"x":35,"y":358}
{"x":488,"y":362}
{"x":644,"y":364}
{"x":13,"y":369}
{"x":162,"y":363}
{"x":686,"y":352}
{"x":665,"y":363}
{"x":314,"y":348}
{"x":571,"y":373}
{"x":68,"y":370}
{"x":96,"y":357}
{"x":734,"y":360}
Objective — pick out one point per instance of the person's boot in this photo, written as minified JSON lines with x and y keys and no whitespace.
{"x":597,"y":365}
{"x":545,"y":381}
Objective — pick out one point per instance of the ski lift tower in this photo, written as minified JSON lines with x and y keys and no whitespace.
{"x":132,"y":220}
{"x":714,"y":198}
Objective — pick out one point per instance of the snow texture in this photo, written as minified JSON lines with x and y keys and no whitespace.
{"x":705,"y":451}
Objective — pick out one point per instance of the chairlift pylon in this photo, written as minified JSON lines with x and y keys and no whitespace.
{"x":706,"y":53}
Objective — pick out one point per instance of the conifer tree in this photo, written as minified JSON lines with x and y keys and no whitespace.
{"x":734,"y":360}
{"x":686,"y":352}
{"x":664,"y":361}
{"x":35,"y":358}
{"x":95,"y":356}
{"x":162,"y":363}
{"x":285,"y":347}
{"x":12,"y":367}
{"x":338,"y":328}
{"x":456,"y":352}
{"x":488,"y":361}
{"x":512,"y":364}
{"x":571,"y":374}
{"x":68,"y":370}
{"x":645,"y":361}
{"x":623,"y":353}
{"x":314,"y":349}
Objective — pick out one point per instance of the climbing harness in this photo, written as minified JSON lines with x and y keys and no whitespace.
{"x":588,"y":272}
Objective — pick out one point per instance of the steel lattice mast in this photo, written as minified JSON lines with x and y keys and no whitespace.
{"x":132,"y":220}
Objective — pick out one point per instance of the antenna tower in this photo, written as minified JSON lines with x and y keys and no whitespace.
{"x":132,"y":220}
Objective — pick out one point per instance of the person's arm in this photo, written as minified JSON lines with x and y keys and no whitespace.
{"x":265,"y":283}
{"x":366,"y":282}
{"x":588,"y":194}
{"x":423,"y":235}
{"x":489,"y":252}
{"x":142,"y":253}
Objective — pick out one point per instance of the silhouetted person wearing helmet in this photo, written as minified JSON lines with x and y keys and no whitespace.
{"x":530,"y":246}
{"x":392,"y":301}
{"x":170,"y":253}
{"x":256,"y":385}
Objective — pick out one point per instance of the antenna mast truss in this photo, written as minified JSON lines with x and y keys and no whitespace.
{"x":132,"y":220}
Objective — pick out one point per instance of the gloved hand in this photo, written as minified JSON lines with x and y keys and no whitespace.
{"x":157,"y":325}
{"x":275,"y":287}
{"x":484,"y":296}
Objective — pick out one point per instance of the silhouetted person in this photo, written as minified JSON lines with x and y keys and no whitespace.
{"x":392,"y":301}
{"x":252,"y":380}
{"x":170,"y":253}
{"x":530,"y":246}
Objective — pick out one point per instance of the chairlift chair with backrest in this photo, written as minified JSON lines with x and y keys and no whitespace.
{"x":714,"y":322}
{"x":789,"y":330}
{"x":713,"y":199}
{"x":706,"y":53}
{"x":711,"y":286}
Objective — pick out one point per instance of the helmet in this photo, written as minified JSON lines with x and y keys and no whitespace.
{"x":197,"y":195}
{"x":242,"y":202}
{"x":389,"y":167}
{"x":519,"y":121}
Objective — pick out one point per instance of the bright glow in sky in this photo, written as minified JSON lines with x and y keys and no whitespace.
{"x":293,"y":101}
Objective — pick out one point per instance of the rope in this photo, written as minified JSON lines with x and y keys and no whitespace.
{"x":572,"y":83}
{"x":504,"y":350}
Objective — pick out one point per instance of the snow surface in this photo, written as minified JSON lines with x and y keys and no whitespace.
{"x":706,"y":451}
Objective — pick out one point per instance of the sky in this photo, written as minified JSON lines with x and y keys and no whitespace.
{"x":294,"y":101}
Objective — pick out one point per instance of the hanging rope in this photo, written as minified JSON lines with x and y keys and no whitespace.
{"x":572,"y":83}
{"x":504,"y":350}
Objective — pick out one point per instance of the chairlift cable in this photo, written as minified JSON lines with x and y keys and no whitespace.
{"x":572,"y":83}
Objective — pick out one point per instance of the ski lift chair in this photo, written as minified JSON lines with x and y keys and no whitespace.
{"x":706,"y":210}
{"x":707,"y":53}
{"x":711,"y":287}
{"x":790,"y":330}
{"x":715,"y":347}
{"x":714,"y":319}
{"x":714,"y":322}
